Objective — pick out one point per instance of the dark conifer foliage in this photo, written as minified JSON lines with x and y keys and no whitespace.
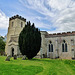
{"x":2,"y":44}
{"x":30,"y":40}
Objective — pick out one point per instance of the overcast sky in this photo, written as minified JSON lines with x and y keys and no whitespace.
{"x":48,"y":15}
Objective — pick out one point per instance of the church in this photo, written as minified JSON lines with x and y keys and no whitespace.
{"x":57,"y":45}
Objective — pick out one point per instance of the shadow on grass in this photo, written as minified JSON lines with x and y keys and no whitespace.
{"x":45,"y":60}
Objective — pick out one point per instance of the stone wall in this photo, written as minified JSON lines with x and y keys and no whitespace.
{"x":57,"y":40}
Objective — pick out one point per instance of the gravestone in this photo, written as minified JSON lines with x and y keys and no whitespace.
{"x":8,"y":58}
{"x":15,"y":57}
{"x":24,"y":57}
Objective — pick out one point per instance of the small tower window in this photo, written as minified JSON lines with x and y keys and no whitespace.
{"x":72,"y":41}
{"x":21,"y":24}
{"x":12,"y":24}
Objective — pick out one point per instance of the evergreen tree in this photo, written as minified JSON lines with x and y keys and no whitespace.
{"x":2,"y":44}
{"x":30,"y":40}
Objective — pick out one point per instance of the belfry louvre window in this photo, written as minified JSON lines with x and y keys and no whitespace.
{"x":12,"y":24}
{"x":21,"y":24}
{"x":64,"y":46}
{"x":50,"y":47}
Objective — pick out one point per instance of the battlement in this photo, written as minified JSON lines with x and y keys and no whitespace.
{"x":17,"y":16}
{"x":61,"y":34}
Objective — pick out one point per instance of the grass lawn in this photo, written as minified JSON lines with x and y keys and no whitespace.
{"x":37,"y":67}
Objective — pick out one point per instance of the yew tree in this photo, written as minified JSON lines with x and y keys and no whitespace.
{"x":30,"y":40}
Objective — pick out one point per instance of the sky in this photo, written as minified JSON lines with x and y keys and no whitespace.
{"x":53,"y":16}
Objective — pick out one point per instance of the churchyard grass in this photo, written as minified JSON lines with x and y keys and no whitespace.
{"x":35,"y":66}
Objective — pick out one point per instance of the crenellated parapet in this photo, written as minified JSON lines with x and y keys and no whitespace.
{"x":61,"y":34}
{"x":17,"y":16}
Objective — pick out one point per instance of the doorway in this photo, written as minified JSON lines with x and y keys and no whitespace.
{"x":12,"y":52}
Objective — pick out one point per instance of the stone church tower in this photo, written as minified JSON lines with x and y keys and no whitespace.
{"x":16,"y":24}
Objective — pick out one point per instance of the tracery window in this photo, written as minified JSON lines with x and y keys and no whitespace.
{"x":64,"y":46}
{"x":50,"y":47}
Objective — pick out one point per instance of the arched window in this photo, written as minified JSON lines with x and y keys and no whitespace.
{"x":50,"y":47}
{"x":21,"y":24}
{"x":64,"y":46}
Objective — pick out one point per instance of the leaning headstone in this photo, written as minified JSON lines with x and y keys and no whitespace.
{"x":15,"y":57}
{"x":24,"y":57}
{"x":8,"y":58}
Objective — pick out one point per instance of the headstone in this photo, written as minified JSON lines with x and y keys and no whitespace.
{"x":8,"y":58}
{"x":24,"y":57}
{"x":15,"y":57}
